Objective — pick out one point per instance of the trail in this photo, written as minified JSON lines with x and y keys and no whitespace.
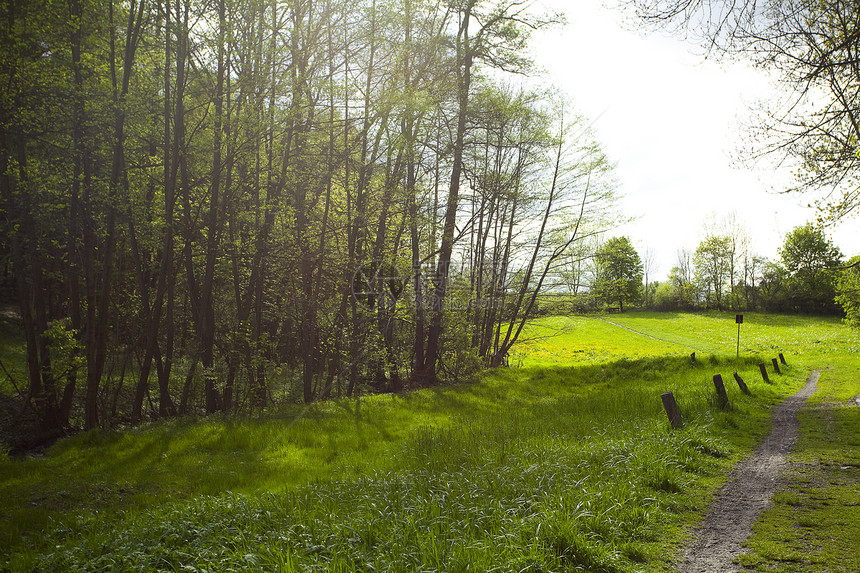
{"x":644,"y":334}
{"x":746,"y":494}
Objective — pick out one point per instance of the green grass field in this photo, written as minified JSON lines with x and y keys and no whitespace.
{"x":564,"y":462}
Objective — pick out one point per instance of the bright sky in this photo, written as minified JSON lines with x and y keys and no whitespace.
{"x":671,"y":120}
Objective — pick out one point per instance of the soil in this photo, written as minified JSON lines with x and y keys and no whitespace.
{"x":748,"y":491}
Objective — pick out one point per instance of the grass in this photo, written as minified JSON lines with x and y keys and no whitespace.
{"x":574,"y":339}
{"x":565,"y":463}
{"x":562,"y":341}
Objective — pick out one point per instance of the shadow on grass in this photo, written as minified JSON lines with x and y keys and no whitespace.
{"x":345,"y":438}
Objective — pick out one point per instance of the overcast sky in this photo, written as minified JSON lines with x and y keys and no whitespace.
{"x":670,"y":119}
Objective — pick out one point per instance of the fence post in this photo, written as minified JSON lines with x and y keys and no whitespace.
{"x":741,"y":384}
{"x":782,"y":359}
{"x":672,"y":409}
{"x":722,"y":397}
{"x":763,"y":372}
{"x":775,"y":366}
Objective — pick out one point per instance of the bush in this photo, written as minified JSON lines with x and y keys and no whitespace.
{"x":848,"y":292}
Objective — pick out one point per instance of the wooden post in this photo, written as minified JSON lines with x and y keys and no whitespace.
{"x":763,"y":372}
{"x":782,"y":359}
{"x":722,"y":397}
{"x":672,"y":409}
{"x":693,"y":358}
{"x":775,"y":366}
{"x":739,"y":319}
{"x":741,"y":384}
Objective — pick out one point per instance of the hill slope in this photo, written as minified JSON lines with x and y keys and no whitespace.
{"x":564,"y":462}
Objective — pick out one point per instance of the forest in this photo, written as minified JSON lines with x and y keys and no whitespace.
{"x":225,"y":205}
{"x":211,"y":205}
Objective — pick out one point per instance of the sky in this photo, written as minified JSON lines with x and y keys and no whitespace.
{"x":671,"y":119}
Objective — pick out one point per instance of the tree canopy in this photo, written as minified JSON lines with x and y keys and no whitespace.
{"x":848,"y":291}
{"x":811,"y":262}
{"x":812,"y":49}
{"x":618,"y":277}
{"x":713,"y":261}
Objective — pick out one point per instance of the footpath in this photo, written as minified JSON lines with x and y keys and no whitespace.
{"x":748,"y":492}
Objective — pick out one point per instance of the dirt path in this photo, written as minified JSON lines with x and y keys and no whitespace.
{"x":746,"y":494}
{"x":637,"y":332}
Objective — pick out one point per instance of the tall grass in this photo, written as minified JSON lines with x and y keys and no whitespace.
{"x":561,"y":464}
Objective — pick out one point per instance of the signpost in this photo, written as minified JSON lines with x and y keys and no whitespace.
{"x":739,"y":318}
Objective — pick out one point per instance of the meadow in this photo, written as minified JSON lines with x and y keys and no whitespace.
{"x":565,"y":461}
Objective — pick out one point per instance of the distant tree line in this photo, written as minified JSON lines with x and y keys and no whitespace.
{"x":217,"y":205}
{"x":723,"y":273}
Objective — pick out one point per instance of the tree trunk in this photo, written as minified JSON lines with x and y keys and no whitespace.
{"x":427,"y":374}
{"x":213,"y":398}
{"x":99,"y":282}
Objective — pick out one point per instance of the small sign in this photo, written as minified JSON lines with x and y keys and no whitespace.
{"x":739,"y":318}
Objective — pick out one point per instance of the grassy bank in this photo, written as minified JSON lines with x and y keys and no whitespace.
{"x":565,"y":462}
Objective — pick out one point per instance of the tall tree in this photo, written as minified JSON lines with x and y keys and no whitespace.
{"x":679,"y":292}
{"x":190,"y":184}
{"x":713,"y":263}
{"x":497,"y":36}
{"x":811,"y":262}
{"x":848,"y":291}
{"x":580,"y":191}
{"x":619,"y":277}
{"x":648,"y":263}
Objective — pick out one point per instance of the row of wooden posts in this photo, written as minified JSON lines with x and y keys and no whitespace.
{"x":674,"y":412}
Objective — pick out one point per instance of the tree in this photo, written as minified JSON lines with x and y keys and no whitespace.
{"x":681,"y":278}
{"x":813,"y":47}
{"x":648,"y":262}
{"x":29,"y":237}
{"x":773,"y":288}
{"x":734,"y":255}
{"x":848,"y":291}
{"x":753,"y":267}
{"x":811,"y":263}
{"x":580,"y":191}
{"x":502,"y":32}
{"x":574,"y":272}
{"x":713,"y":262}
{"x":619,"y":273}
{"x":680,"y":291}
